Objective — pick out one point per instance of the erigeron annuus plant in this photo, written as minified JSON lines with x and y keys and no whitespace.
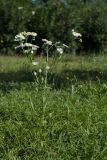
{"x":29,"y":49}
{"x":76,"y":40}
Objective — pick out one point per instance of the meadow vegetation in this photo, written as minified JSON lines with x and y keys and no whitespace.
{"x":71,"y":124}
{"x":53,"y":106}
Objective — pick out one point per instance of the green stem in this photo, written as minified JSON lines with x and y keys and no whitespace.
{"x":46,"y":73}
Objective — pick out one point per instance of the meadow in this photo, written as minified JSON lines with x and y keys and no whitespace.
{"x":72,"y":125}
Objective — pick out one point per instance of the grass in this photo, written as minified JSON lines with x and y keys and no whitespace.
{"x":68,"y":123}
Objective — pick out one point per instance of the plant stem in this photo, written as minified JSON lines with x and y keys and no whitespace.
{"x":46,"y":73}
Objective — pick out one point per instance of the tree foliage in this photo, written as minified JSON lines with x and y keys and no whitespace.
{"x":55,"y":20}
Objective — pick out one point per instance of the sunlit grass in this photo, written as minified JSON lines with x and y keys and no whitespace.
{"x":10,"y":63}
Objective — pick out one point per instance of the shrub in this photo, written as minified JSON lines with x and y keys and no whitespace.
{"x":94,"y":26}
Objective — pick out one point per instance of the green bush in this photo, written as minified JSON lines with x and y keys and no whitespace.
{"x":13,"y":17}
{"x":94,"y":26}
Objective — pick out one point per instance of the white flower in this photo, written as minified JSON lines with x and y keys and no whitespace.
{"x":24,"y":33}
{"x":47,"y":42}
{"x":76,"y":34}
{"x":60,"y":50}
{"x":47,"y":67}
{"x":33,"y":12}
{"x":29,"y":34}
{"x":27,"y":45}
{"x":32,"y":34}
{"x":31,"y":46}
{"x":65,"y":45}
{"x":35,"y":63}
{"x":32,"y":52}
{"x":34,"y":47}
{"x":19,"y":37}
{"x":20,"y":46}
{"x":35,"y":73}
{"x":40,"y":70}
{"x":19,"y":8}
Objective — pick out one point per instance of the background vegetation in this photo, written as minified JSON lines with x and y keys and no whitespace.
{"x":55,"y":20}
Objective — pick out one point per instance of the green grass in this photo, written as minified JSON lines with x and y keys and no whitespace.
{"x":68,"y":123}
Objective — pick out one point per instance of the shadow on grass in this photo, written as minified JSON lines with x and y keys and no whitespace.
{"x":69,"y":77}
{"x":11,"y":80}
{"x":19,"y":76}
{"x":57,"y":81}
{"x":87,"y":75}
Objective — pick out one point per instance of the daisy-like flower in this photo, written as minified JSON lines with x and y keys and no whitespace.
{"x":32,"y":46}
{"x":27,"y":45}
{"x":35,"y":63}
{"x":60,"y":50}
{"x":19,"y":37}
{"x":28,"y":34}
{"x":47,"y":42}
{"x":32,"y":34}
{"x":47,"y":67}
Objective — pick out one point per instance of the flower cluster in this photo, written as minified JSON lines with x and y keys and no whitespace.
{"x":76,"y":34}
{"x":29,"y":34}
{"x":60,"y":47}
{"x":22,"y":39}
{"x":47,"y":42}
{"x":32,"y":46}
{"x":23,"y":35}
{"x":60,"y":50}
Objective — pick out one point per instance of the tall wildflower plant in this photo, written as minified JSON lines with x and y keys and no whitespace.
{"x":41,"y":75}
{"x":28,"y":50}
